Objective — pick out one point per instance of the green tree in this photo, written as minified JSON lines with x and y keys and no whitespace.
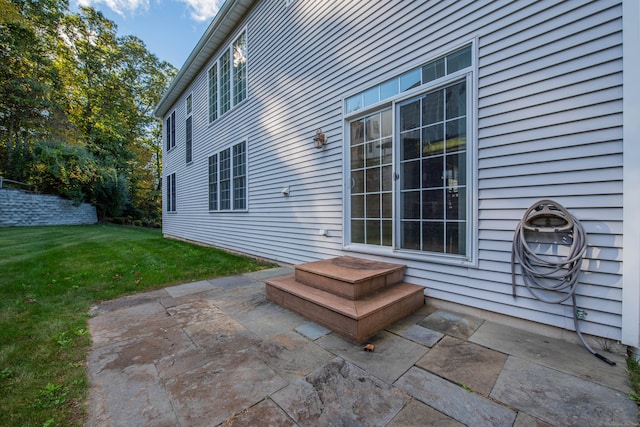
{"x":76,"y":97}
{"x":147,"y":77}
{"x":116,"y":82}
{"x":65,"y":169}
{"x":28,"y":78}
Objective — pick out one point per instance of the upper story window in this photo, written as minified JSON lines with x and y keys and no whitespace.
{"x":189,"y":130}
{"x":171,"y":131}
{"x":240,"y":68}
{"x":228,"y":78}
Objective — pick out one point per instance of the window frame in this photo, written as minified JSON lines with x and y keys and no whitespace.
{"x":215,"y":162}
{"x":470,"y":75}
{"x":170,"y":136}
{"x":171,"y":206}
{"x":223,"y":88}
{"x":212,"y":75}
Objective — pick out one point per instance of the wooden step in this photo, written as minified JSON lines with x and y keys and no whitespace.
{"x":350,"y":277}
{"x":356,"y":320}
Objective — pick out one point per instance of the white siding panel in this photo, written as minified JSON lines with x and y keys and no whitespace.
{"x":562,"y":19}
{"x":573,"y":98}
{"x":549,"y":125}
{"x":551,"y":178}
{"x":559,"y":166}
{"x":571,"y":117}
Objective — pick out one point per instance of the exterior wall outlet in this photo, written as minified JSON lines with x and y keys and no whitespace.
{"x":581,"y":314}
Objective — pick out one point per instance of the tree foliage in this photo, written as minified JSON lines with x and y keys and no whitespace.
{"x":76,"y":105}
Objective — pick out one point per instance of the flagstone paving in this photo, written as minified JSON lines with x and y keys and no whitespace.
{"x":215,"y":352}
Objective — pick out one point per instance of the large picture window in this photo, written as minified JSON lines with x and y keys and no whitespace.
{"x":228,"y":78}
{"x":409,"y":187}
{"x":228,"y":179}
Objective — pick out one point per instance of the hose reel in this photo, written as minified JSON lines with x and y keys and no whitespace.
{"x":543,"y":273}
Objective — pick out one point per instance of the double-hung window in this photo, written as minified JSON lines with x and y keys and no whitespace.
{"x":408,"y":160}
{"x":228,"y":78}
{"x":189,"y":130}
{"x":171,"y":131}
{"x":171,"y":192}
{"x":228,"y":179}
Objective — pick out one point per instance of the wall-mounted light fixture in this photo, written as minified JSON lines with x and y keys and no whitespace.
{"x":320,"y":139}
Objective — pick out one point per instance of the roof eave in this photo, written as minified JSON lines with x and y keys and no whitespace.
{"x":223,"y":24}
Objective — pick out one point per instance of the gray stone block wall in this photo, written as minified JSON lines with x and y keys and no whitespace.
{"x":19,"y":208}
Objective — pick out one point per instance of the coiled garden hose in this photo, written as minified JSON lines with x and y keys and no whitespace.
{"x":551,"y":273}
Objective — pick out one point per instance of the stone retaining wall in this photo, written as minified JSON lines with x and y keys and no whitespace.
{"x":19,"y":208}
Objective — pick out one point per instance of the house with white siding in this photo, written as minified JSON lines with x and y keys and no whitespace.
{"x":416,"y":132}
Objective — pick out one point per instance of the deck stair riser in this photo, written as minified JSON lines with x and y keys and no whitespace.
{"x":348,"y":288}
{"x":355,"y":298}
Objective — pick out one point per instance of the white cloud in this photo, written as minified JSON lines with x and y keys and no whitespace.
{"x":121,"y":7}
{"x":199,"y":10}
{"x":203,"y":10}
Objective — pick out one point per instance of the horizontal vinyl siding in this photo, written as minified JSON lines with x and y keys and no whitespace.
{"x":549,"y":126}
{"x":549,"y":116}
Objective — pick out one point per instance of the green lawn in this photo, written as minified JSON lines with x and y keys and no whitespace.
{"x":49,"y":278}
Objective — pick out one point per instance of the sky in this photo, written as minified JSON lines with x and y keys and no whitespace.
{"x":169,"y":28}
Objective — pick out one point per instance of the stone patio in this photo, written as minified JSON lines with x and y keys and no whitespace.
{"x":216,"y":352}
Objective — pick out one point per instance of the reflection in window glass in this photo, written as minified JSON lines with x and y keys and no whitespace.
{"x":213,"y":92}
{"x":240,"y":69}
{"x":225,"y":179}
{"x":372,"y":96}
{"x":354,"y":103}
{"x":371,"y":179}
{"x":228,"y":178}
{"x":239,"y":176}
{"x":433,"y":179}
{"x":410,"y":80}
{"x":213,"y":182}
{"x":189,"y":139}
{"x":429,"y":211}
{"x":389,"y":88}
{"x":432,"y":70}
{"x":225,"y":84}
{"x":458,"y":60}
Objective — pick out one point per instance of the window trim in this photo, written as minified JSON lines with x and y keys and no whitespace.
{"x":170,"y":135}
{"x":218,"y":202}
{"x":211,"y":113}
{"x":172,"y":193}
{"x":470,"y":74}
{"x":215,"y":65}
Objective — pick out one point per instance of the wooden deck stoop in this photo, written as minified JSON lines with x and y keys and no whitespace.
{"x":354,"y":297}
